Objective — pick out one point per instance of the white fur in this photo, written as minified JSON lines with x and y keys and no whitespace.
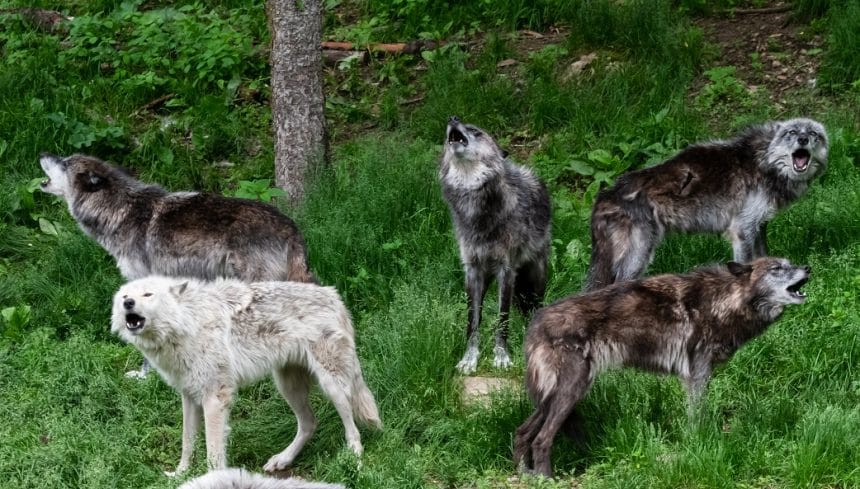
{"x":240,"y":479}
{"x":206,"y":339}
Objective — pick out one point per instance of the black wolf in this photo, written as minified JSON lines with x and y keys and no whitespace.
{"x":501,"y":215}
{"x":732,"y":187}
{"x":675,"y":324}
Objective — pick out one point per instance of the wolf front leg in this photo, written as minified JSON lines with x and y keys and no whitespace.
{"x":477,"y":281}
{"x":506,"y":278}
{"x":191,"y":414}
{"x":216,"y":409}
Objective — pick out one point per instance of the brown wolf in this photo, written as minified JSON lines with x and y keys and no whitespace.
{"x":676,"y":324}
{"x":732,"y":187}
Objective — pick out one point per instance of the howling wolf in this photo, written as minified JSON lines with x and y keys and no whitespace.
{"x":676,"y":324}
{"x":207,"y":339}
{"x":733,"y":187}
{"x":149,"y":230}
{"x":501,"y":215}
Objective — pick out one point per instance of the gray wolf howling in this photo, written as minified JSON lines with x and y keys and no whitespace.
{"x":149,"y":230}
{"x":675,"y":324}
{"x":732,"y":187}
{"x":501,"y":215}
{"x":207,"y":339}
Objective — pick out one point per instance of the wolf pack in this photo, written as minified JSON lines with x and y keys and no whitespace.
{"x":219,"y":292}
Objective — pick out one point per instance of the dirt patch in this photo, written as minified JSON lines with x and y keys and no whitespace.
{"x":768,"y":50}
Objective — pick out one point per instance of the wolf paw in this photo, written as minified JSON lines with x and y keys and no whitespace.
{"x":278,"y":462}
{"x":502,"y":359}
{"x":136,"y":374}
{"x":467,"y":366}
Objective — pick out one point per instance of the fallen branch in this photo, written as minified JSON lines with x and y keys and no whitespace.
{"x":155,"y":103}
{"x":413,"y":47}
{"x":766,"y":10}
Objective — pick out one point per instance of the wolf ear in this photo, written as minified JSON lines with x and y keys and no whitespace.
{"x":178,"y":290}
{"x":92,"y":181}
{"x":738,"y":269}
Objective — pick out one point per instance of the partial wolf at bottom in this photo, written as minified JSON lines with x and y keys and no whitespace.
{"x":207,"y":339}
{"x":241,"y":479}
{"x":676,"y":324}
{"x":734,"y":187}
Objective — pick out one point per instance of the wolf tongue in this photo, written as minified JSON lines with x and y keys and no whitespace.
{"x":800,"y":162}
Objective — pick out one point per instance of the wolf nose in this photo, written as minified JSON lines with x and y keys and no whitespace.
{"x":128,"y":303}
{"x":806,"y":268}
{"x":803,"y":140}
{"x":453,"y":120}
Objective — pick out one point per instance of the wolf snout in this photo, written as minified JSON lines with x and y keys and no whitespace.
{"x":453,"y":120}
{"x":803,"y":140}
{"x":128,"y":303}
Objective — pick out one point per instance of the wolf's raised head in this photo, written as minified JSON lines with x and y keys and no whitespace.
{"x":466,"y":144}
{"x":72,"y":174}
{"x":147,"y":311}
{"x":798,"y":149}
{"x":773,"y":283}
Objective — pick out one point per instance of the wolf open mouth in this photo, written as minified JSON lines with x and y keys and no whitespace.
{"x":794,"y":289}
{"x":800,"y":160}
{"x":455,"y":136}
{"x":134,"y":322}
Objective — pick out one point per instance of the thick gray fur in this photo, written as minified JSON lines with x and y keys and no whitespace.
{"x":149,"y":230}
{"x":207,"y":339}
{"x":501,"y":215}
{"x":675,"y":324}
{"x":241,"y":479}
{"x":733,"y":187}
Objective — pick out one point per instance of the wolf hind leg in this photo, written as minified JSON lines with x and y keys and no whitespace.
{"x":523,"y":438}
{"x":293,"y":382}
{"x":338,"y":389}
{"x":558,"y":407}
{"x":637,"y":253}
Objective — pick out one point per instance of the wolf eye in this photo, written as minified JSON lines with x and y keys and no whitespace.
{"x":813,"y":134}
{"x":792,"y":132}
{"x":147,"y":294}
{"x":475,"y":132}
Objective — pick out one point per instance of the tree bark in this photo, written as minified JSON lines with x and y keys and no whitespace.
{"x":297,"y":92}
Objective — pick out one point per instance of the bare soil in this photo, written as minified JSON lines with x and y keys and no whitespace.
{"x":768,"y":50}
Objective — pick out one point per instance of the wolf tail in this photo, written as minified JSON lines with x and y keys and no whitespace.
{"x":363,"y":404}
{"x":530,"y":286}
{"x":297,"y":263}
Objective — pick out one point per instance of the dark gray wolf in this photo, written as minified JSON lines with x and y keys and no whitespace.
{"x":149,"y":230}
{"x":676,"y":324}
{"x":501,"y":215}
{"x":207,"y":339}
{"x":240,"y":479}
{"x":732,"y":187}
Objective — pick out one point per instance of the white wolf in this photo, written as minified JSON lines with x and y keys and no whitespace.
{"x":206,"y":339}
{"x":240,"y":479}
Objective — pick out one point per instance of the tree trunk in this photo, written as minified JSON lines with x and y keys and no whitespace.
{"x":297,"y":94}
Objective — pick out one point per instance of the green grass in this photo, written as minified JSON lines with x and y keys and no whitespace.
{"x":782,"y":413}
